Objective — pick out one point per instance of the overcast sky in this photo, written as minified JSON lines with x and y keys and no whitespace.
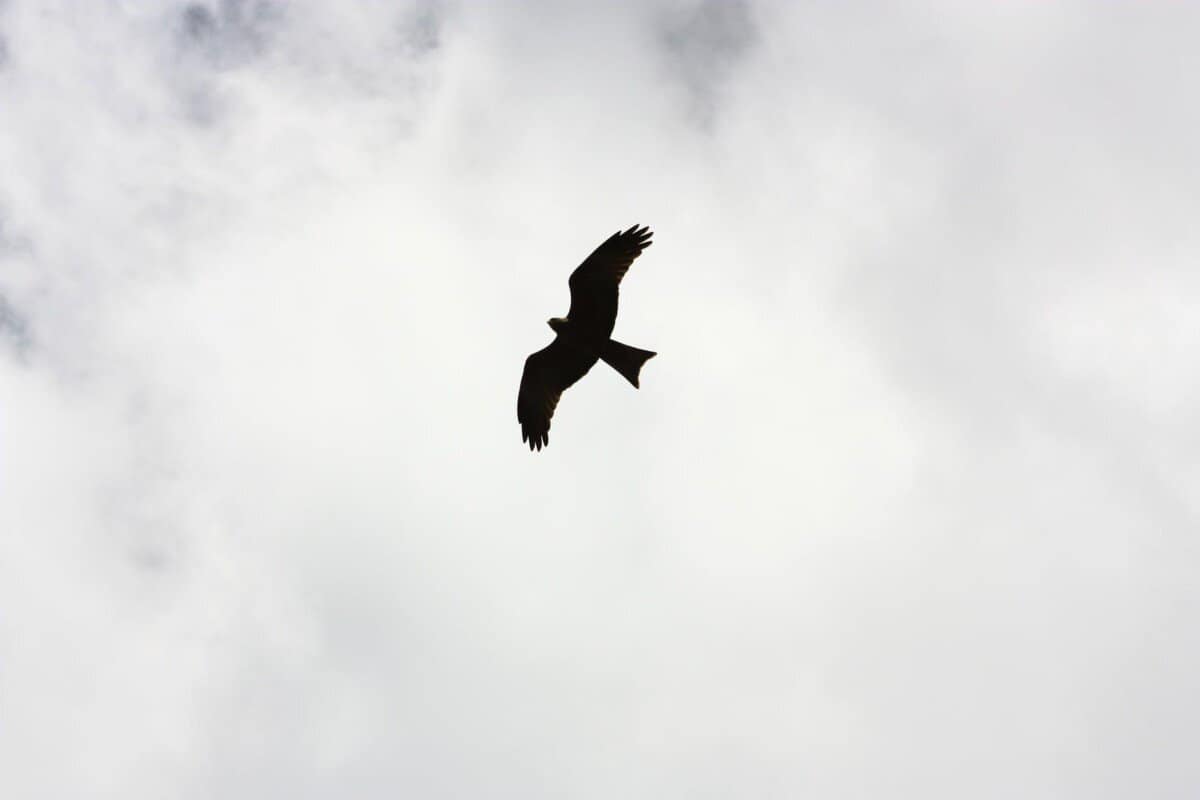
{"x":906,"y":507}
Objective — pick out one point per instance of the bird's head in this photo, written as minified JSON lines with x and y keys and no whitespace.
{"x":556,"y":323}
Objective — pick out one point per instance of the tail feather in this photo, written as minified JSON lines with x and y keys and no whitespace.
{"x":625,"y":359}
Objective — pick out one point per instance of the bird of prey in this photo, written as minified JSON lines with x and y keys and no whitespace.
{"x":583,"y":336}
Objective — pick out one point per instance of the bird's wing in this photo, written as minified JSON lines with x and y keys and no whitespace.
{"x":548,"y":372}
{"x":594,"y":282}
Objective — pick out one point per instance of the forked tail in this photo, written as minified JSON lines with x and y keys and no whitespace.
{"x":625,"y":359}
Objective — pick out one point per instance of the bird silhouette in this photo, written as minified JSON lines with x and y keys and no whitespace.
{"x":583,"y":337}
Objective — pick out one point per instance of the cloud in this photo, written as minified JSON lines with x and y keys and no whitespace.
{"x":704,"y":43}
{"x":903,"y":507}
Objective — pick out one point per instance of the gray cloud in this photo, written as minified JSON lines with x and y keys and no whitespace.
{"x":233,"y":32}
{"x":904,"y":507}
{"x":704,"y":43}
{"x":14,"y":328}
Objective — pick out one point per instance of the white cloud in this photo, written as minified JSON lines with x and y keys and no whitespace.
{"x":905,"y":506}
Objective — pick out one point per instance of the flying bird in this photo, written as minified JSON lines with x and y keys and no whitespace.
{"x":582,"y":337}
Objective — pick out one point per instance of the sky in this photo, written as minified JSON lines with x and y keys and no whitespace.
{"x":906,"y":506}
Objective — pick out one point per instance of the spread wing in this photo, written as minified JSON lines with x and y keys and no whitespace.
{"x":594,"y":282}
{"x":548,"y":372}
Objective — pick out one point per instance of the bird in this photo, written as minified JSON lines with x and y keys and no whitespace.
{"x":583,"y":336}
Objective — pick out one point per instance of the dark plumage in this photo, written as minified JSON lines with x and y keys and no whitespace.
{"x":583,"y":336}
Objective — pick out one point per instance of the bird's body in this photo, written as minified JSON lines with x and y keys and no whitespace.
{"x":583,"y":337}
